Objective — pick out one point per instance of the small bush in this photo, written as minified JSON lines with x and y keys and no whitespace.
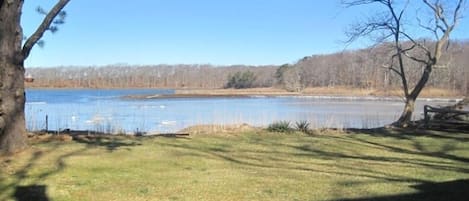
{"x":280,"y":127}
{"x":241,"y":80}
{"x":302,"y":126}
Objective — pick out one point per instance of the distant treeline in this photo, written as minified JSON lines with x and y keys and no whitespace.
{"x":153,"y":76}
{"x":365,"y":68}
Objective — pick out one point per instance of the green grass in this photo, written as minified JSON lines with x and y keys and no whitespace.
{"x":280,"y":127}
{"x":249,"y":166}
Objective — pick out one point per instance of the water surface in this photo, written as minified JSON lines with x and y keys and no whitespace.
{"x":105,"y":110}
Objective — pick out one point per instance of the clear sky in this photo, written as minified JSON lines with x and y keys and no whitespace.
{"x":219,"y":32}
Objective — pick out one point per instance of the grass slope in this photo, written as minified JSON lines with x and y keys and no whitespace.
{"x":380,"y":165}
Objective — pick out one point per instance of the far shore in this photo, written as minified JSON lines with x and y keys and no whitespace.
{"x":340,"y":91}
{"x":337,"y":92}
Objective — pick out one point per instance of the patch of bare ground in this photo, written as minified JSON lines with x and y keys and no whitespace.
{"x":327,"y":131}
{"x":47,"y":137}
{"x":235,"y":129}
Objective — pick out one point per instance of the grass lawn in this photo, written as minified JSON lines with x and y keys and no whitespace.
{"x":379,"y":165}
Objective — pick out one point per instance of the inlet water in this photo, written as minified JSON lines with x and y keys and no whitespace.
{"x":105,"y":110}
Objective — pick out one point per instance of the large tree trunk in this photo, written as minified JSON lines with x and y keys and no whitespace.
{"x":12,"y":55}
{"x":12,"y":118}
{"x":406,"y":116}
{"x":12,"y":95}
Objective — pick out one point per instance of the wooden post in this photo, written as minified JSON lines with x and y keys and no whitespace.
{"x":47,"y":123}
{"x":425,"y":114}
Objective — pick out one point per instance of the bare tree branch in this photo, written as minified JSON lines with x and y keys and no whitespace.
{"x":390,"y":67}
{"x":43,"y":27}
{"x":406,"y":48}
{"x":428,"y":28}
{"x":415,"y":58}
{"x":349,"y":3}
{"x":425,"y":49}
{"x":457,"y":14}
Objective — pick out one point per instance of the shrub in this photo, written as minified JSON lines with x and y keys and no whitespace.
{"x":241,"y":80}
{"x":280,"y":127}
{"x":302,"y":126}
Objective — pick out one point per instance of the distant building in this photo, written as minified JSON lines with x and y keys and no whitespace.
{"x":29,"y":78}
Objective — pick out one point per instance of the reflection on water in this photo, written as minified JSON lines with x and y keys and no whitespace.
{"x":106,"y":111}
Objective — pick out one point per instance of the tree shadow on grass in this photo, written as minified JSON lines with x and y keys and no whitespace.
{"x":31,"y":193}
{"x":25,"y":183}
{"x":263,"y":159}
{"x":456,"y":190}
{"x":111,"y":143}
{"x":403,"y":150}
{"x":399,"y":133}
{"x":449,"y":139}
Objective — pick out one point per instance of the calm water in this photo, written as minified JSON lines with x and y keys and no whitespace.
{"x":105,"y":110}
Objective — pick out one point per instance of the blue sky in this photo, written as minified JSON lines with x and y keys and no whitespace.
{"x":219,"y":32}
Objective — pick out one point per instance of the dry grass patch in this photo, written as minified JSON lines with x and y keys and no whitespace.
{"x":330,"y":91}
{"x":249,"y":91}
{"x":47,"y":137}
{"x":234,"y":129}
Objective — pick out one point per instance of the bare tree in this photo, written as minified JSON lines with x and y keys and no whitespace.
{"x":12,"y":56}
{"x":394,"y":24}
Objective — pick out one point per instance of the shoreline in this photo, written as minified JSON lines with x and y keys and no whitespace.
{"x":275,"y":92}
{"x":313,"y":97}
{"x":311,"y":93}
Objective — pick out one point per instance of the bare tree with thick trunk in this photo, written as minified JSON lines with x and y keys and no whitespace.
{"x":406,"y":36}
{"x":12,"y":57}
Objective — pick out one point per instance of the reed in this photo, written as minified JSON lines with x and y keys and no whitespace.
{"x":280,"y":127}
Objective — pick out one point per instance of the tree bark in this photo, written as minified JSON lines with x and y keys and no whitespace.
{"x":406,"y":116}
{"x":12,"y":95}
{"x":12,"y":55}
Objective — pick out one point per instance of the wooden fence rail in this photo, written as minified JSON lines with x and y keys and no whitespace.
{"x":445,"y":118}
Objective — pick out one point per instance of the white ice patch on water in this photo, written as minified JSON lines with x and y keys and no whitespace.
{"x":36,"y":103}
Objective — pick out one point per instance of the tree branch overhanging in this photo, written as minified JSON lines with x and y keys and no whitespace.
{"x":406,"y":48}
{"x":43,"y":27}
